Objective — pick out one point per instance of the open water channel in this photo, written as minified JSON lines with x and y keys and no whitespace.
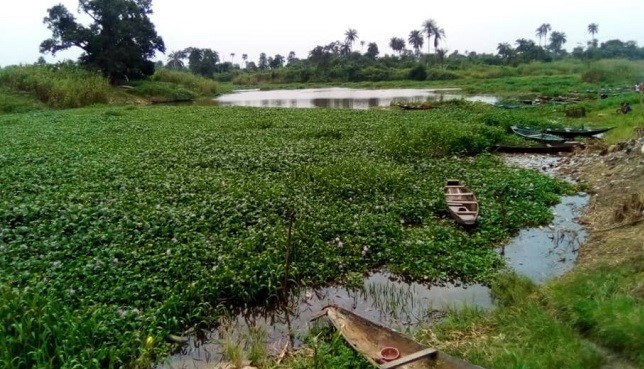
{"x":539,"y":253}
{"x":347,"y":98}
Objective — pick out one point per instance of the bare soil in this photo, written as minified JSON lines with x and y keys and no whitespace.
{"x":614,"y":177}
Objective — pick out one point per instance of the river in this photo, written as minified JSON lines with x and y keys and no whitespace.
{"x":347,"y":98}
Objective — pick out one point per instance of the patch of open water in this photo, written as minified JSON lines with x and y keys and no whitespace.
{"x":347,"y":98}
{"x":539,"y":253}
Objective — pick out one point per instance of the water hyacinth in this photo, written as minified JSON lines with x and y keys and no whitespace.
{"x":176,"y":211}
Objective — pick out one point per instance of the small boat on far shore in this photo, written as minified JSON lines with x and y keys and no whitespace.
{"x":421,"y":106}
{"x":385,"y":348}
{"x":568,"y":132}
{"x":462,"y":205}
{"x":539,"y":148}
{"x":536,"y":135}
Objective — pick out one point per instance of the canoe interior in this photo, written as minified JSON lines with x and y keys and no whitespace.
{"x":368,"y":338}
{"x":461,"y":203}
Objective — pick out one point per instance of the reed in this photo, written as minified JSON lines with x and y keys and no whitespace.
{"x":58,"y":86}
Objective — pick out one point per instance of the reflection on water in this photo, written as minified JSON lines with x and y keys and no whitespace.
{"x":382,"y":298}
{"x":341,"y":97}
{"x":544,"y":253}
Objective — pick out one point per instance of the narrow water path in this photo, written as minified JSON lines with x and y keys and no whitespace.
{"x":539,"y":253}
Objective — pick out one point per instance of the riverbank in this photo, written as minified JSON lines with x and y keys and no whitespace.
{"x":592,"y":316}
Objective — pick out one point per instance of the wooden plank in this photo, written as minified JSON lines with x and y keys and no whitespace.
{"x":409,"y":358}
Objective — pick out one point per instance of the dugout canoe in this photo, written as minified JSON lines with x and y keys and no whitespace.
{"x":462,"y":204}
{"x":369,"y":339}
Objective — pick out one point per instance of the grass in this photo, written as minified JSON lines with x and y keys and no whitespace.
{"x":521,"y":334}
{"x":57,"y":86}
{"x":605,"y":305}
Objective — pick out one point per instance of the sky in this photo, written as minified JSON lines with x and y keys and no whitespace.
{"x":281,"y":26}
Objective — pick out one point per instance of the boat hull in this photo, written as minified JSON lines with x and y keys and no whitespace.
{"x":572,"y":133}
{"x":536,"y":135}
{"x":368,"y":338}
{"x":543,"y":148}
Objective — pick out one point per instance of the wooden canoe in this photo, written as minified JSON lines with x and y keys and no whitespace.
{"x":568,"y":132}
{"x":462,"y":204}
{"x":369,"y":338}
{"x":542,"y":148}
{"x":533,"y":134}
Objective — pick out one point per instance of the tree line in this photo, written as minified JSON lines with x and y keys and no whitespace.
{"x":122,"y":40}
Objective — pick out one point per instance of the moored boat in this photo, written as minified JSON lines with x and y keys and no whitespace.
{"x":540,"y":147}
{"x":568,"y":132}
{"x":375,"y":342}
{"x":462,"y":204}
{"x":536,"y":135}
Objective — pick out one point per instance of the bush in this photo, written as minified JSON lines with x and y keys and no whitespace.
{"x":418,"y":73}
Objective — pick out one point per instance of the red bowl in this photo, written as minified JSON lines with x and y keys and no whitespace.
{"x":389,"y":353}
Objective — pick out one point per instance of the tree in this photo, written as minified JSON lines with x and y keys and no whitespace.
{"x":429,"y":27}
{"x":397,"y":44}
{"x":542,"y":31}
{"x":232,"y":58}
{"x":202,"y":61}
{"x":416,"y":40}
{"x":351,"y":35}
{"x":245,"y":59}
{"x":291,"y":57}
{"x":276,"y":62}
{"x":557,"y":39}
{"x":263,"y":61}
{"x":439,"y":34}
{"x":119,"y":42}
{"x":506,"y":52}
{"x":593,"y":29}
{"x":372,"y":50}
{"x":175,"y":60}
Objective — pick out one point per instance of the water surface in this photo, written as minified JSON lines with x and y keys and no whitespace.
{"x":348,"y":98}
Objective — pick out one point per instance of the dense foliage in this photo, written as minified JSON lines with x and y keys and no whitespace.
{"x":140,"y":221}
{"x":119,"y":42}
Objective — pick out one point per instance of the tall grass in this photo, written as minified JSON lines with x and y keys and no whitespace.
{"x":200,"y":85}
{"x":612,"y":70}
{"x":58,"y":86}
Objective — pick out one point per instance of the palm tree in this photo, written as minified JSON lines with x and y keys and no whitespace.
{"x":416,"y":40}
{"x":429,"y":27}
{"x":245,"y":59}
{"x":175,"y":59}
{"x":351,"y":35}
{"x":593,"y":29}
{"x":397,"y":44}
{"x":372,"y":50}
{"x":439,"y":34}
{"x":542,"y":32}
{"x":232,"y":58}
{"x":362,"y":43}
{"x":557,"y":39}
{"x":505,"y":51}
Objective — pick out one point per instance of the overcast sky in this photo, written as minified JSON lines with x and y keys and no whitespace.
{"x":280,"y":26}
